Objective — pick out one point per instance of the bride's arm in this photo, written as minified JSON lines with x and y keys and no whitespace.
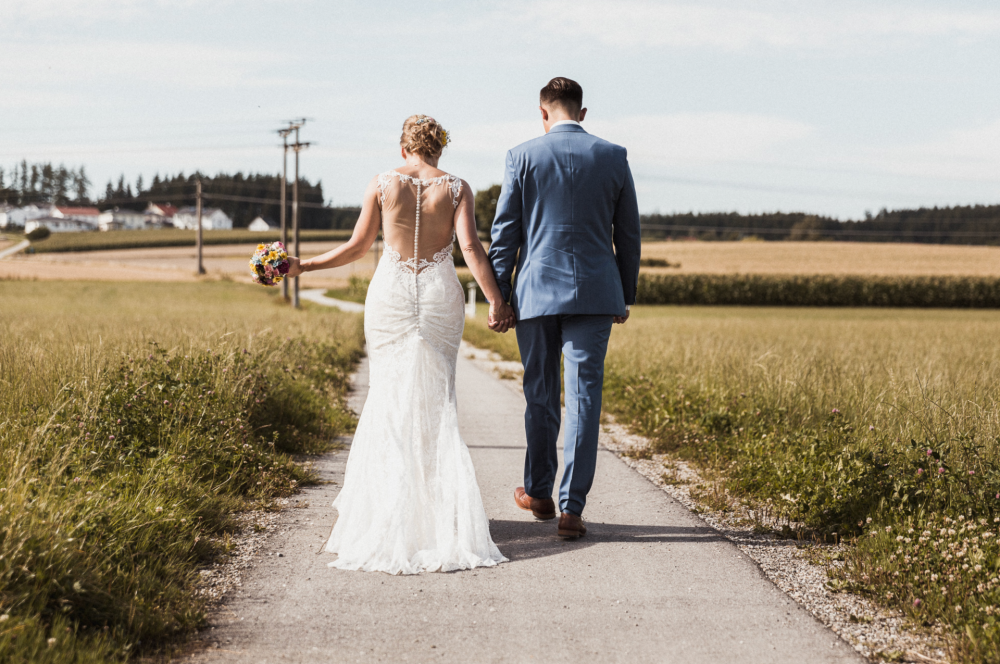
{"x":478,"y":262}
{"x":365,"y":232}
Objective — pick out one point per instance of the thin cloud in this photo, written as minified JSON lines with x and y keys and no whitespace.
{"x":641,"y":23}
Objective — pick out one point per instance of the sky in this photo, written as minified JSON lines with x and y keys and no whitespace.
{"x":829,"y":108}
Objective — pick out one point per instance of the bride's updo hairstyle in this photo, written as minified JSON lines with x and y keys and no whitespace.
{"x":423,"y":135}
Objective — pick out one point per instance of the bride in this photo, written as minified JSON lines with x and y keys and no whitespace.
{"x":410,"y":501}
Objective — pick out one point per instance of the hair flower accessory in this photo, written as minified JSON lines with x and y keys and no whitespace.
{"x":444,"y":137}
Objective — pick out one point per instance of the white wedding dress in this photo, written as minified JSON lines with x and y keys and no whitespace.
{"x":410,"y":501}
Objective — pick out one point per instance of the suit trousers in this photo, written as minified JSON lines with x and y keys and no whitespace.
{"x":582,"y":340}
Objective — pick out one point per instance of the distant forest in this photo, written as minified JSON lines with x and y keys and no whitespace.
{"x":258,"y":194}
{"x":47,"y":183}
{"x":975,"y":224}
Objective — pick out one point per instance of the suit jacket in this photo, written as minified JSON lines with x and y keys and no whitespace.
{"x":568,"y":218}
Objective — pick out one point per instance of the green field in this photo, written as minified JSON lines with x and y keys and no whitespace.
{"x":137,"y":418}
{"x":828,"y":418}
{"x":59,"y":242}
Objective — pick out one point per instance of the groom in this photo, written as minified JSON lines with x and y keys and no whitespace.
{"x":568,"y":221}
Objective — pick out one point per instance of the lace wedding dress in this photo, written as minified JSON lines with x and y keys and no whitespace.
{"x":410,"y":501}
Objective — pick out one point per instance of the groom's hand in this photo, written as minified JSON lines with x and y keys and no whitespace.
{"x":621,"y":319}
{"x":501,"y":317}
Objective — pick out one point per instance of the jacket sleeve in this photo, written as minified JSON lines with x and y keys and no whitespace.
{"x":506,"y":232}
{"x":626,"y":237}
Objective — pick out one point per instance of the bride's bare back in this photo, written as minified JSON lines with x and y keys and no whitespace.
{"x":418,"y":214}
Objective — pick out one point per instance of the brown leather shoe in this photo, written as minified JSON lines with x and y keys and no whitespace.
{"x":541,"y":508}
{"x":571,"y":526}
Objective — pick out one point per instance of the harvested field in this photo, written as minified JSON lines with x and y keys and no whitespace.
{"x":861,"y":258}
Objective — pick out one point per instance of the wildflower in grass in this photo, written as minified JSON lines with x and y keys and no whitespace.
{"x":940,"y":471}
{"x":111,"y":437}
{"x":920,"y":471}
{"x":930,"y":452}
{"x":4,"y":618}
{"x":916,"y":603}
{"x":51,"y":641}
{"x":972,"y":472}
{"x":835,"y":411}
{"x":159,"y":509}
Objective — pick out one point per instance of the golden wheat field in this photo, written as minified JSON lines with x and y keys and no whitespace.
{"x":875,"y":258}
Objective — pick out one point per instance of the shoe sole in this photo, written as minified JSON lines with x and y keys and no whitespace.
{"x":570,"y":534}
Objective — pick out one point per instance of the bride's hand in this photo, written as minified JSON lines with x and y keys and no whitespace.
{"x":294,"y":267}
{"x":501,"y":317}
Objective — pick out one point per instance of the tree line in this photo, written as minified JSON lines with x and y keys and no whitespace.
{"x":180,"y":190}
{"x":25,"y":184}
{"x":49,"y":183}
{"x":970,"y":224}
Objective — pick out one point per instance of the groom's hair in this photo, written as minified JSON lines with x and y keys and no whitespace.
{"x":563,"y":92}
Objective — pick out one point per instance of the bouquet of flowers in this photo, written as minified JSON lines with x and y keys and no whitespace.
{"x":269,"y":264}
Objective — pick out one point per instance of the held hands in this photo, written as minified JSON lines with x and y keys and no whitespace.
{"x":501,"y":317}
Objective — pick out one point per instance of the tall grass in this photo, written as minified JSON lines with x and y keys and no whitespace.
{"x":135,"y":420}
{"x":863,"y":423}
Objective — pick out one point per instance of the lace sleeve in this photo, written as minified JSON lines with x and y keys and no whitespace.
{"x":456,"y":190}
{"x":383,"y":182}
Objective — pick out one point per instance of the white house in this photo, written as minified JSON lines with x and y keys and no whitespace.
{"x":18,"y":217}
{"x":127,"y":220}
{"x":5,"y":215}
{"x":88,"y":214}
{"x":160,"y":215}
{"x":212,"y":219}
{"x":59,"y":225}
{"x":260,"y":224}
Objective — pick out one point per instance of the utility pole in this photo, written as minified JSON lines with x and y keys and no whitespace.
{"x":284,"y":190}
{"x":297,"y":147}
{"x":201,"y":267}
{"x":293,"y":125}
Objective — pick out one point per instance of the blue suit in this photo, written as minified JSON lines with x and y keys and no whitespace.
{"x":568,"y":220}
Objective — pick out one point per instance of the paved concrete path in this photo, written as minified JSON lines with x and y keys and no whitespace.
{"x":10,"y":251}
{"x":318,"y":295}
{"x":649,"y":583}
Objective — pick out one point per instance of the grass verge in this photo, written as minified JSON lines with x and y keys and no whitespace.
{"x":877,"y":425}
{"x":137,"y":419}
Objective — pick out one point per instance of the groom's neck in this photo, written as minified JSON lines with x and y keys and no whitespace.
{"x":554,"y":113}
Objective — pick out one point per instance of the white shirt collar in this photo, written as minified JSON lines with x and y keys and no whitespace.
{"x":562,"y":122}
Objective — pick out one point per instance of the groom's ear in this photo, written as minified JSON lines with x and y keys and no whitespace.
{"x":583,"y":114}
{"x":545,"y":114}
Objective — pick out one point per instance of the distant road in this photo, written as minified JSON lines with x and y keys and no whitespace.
{"x":10,"y":251}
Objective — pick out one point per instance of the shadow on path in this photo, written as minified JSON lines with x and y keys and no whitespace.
{"x":522,"y":540}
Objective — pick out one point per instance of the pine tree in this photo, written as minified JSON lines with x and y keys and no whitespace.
{"x":34,"y":181}
{"x":81,"y":185}
{"x":62,"y":184}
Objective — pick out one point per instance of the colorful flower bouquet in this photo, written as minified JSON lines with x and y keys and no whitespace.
{"x":269,"y":264}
